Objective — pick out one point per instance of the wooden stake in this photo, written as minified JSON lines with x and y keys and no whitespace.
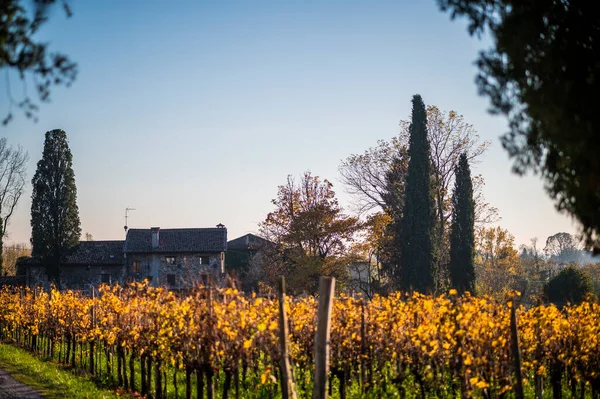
{"x":288,"y":388}
{"x":363,"y":346}
{"x":93,"y":324}
{"x":322,"y":344}
{"x":516,"y":351}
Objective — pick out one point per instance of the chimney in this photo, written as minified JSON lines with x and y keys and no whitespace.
{"x":155,"y":237}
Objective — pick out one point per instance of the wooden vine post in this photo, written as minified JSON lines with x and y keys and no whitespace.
{"x":363,"y":347}
{"x":92,"y":326}
{"x":516,"y":350}
{"x":539,"y":379}
{"x":210,"y":390}
{"x":288,"y":388}
{"x":322,"y":344}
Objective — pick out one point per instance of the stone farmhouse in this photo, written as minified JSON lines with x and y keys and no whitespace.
{"x":240,"y":253}
{"x":172,"y":258}
{"x":177,"y":258}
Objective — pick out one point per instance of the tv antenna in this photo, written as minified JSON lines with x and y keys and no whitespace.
{"x":127,"y":211}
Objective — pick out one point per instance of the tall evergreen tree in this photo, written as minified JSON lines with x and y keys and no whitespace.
{"x":462,"y":235}
{"x":55,"y":227}
{"x":395,"y":187}
{"x":417,"y":252}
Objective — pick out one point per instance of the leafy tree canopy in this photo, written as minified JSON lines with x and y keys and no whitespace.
{"x":497,"y":266}
{"x":22,"y":53}
{"x":311,"y":233}
{"x":571,"y":285}
{"x":13,"y":169}
{"x":417,"y":234}
{"x":542,"y":73}
{"x":563,"y":248}
{"x":462,"y":236}
{"x":55,"y":226}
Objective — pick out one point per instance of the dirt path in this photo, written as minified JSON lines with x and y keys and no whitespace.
{"x":11,"y":388}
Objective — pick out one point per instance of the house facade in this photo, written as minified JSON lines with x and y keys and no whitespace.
{"x":172,"y":258}
{"x":176,"y":258}
{"x":239,"y":256}
{"x":241,"y":250}
{"x":91,"y":262}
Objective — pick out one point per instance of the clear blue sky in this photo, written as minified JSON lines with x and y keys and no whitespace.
{"x":193,"y":112}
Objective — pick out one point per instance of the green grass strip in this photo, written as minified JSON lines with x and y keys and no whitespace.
{"x":47,"y":378}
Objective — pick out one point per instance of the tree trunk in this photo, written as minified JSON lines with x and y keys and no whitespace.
{"x":73,"y":350}
{"x":2,"y":271}
{"x":227,"y":384}
{"x":174,"y":379}
{"x":236,"y":382}
{"x":68,"y":354}
{"x":188,"y":381}
{"x":109,"y":363}
{"x":132,"y":370}
{"x":199,"y":383}
{"x":143,"y":375}
{"x":119,"y":367}
{"x":556,"y":380}
{"x":210,"y":390}
{"x":124,"y":363}
{"x":149,"y":375}
{"x":158,"y":379}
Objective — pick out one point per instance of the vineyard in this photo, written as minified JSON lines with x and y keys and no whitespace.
{"x":222,"y":343}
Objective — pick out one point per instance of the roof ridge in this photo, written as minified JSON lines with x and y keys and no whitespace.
{"x":179,"y":228}
{"x":186,"y":239}
{"x":102,"y":241}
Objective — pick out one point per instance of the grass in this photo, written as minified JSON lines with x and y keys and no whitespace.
{"x":48,"y":378}
{"x":55,"y":381}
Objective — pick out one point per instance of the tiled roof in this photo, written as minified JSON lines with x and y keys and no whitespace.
{"x":177,"y":240}
{"x":246,"y":242}
{"x":89,"y":253}
{"x":97,"y":253}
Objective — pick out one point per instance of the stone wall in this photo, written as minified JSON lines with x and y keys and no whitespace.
{"x":12,"y":281}
{"x":77,"y":277}
{"x":186,"y":271}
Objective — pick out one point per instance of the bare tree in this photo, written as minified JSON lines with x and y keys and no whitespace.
{"x":13,"y":164}
{"x":364,"y":175}
{"x":449,"y":136}
{"x":256,"y":272}
{"x":10,"y":255}
{"x":485,"y":213}
{"x":563,"y":248}
{"x":360,"y":279}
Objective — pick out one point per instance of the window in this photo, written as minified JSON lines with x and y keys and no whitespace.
{"x":137,"y":266}
{"x":171,"y":279}
{"x":105,"y":278}
{"x":170,"y":260}
{"x":204,"y":260}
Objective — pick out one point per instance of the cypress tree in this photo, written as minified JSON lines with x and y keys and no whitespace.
{"x":395,"y":184}
{"x":462,"y":235}
{"x":417,"y":252}
{"x":55,"y":226}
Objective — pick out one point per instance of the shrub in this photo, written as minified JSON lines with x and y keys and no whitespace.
{"x":571,"y":285}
